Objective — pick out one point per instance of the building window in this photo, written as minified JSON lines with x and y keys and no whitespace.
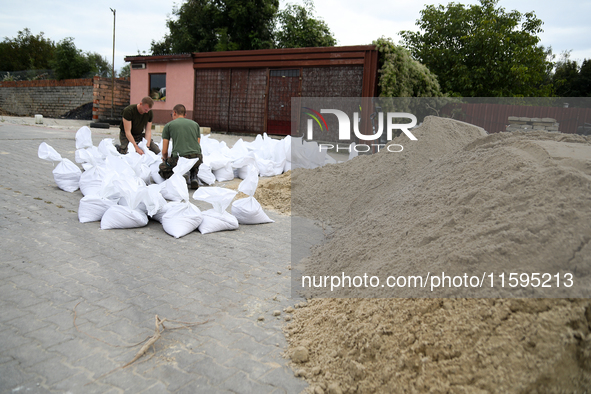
{"x":158,"y":87}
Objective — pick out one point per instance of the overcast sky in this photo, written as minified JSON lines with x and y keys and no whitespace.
{"x":566,"y":22}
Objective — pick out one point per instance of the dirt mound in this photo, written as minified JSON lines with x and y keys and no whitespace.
{"x":488,"y":203}
{"x":272,"y":193}
{"x":444,"y":346}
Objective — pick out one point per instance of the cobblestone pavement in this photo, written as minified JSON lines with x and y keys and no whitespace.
{"x":54,"y":269}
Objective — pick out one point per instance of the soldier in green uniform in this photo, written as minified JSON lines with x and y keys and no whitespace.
{"x":136,"y":124}
{"x":185,"y":135}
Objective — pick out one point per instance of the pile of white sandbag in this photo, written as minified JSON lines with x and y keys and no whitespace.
{"x":125,"y":191}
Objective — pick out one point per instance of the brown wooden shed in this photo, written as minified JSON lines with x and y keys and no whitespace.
{"x":251,"y":91}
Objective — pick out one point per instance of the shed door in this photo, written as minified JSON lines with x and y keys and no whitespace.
{"x":283,"y":85}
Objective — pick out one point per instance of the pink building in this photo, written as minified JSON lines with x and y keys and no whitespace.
{"x":167,"y":79}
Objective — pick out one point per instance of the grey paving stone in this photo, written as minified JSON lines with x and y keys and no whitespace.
{"x":11,"y":338}
{"x":79,"y":384}
{"x":241,"y":384}
{"x":10,"y":311}
{"x":251,"y":366}
{"x":28,"y":354}
{"x":97,"y":364}
{"x":26,"y":323}
{"x":52,"y":371}
{"x":172,"y":378}
{"x":215,"y":373}
{"x":199,"y":385}
{"x":118,"y":280}
{"x":252,"y":347}
{"x":222,"y":354}
{"x":49,"y":336}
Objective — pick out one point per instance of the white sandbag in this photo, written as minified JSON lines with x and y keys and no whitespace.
{"x":155,"y":173}
{"x":161,"y":144}
{"x":264,"y":166}
{"x":91,"y":180}
{"x":239,"y":150}
{"x":107,"y":148}
{"x":130,"y":191}
{"x":308,"y":155}
{"x":89,"y":157}
{"x":225,"y":173}
{"x":205,"y":174}
{"x":158,"y":215}
{"x":119,"y":216}
{"x":249,"y":211}
{"x":151,"y":200}
{"x":216,"y":219}
{"x":92,"y":208}
{"x":66,"y":174}
{"x":83,"y":138}
{"x":250,"y":183}
{"x":136,"y":162}
{"x":129,"y":216}
{"x":149,"y":157}
{"x":241,"y":165}
{"x":287,"y":148}
{"x":216,"y":160}
{"x":181,"y":218}
{"x":175,"y":188}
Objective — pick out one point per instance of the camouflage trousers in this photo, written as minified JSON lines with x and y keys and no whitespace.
{"x":165,"y":169}
{"x":124,"y":142}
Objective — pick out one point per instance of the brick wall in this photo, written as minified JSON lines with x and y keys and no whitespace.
{"x":49,"y":98}
{"x":53,"y":99}
{"x":103,"y":96}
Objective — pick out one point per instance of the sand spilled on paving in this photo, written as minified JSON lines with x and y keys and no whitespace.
{"x":494,"y":202}
{"x":272,"y":193}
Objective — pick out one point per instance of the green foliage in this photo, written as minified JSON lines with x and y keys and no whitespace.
{"x":402,"y":76}
{"x":193,"y":29}
{"x":125,"y":71}
{"x":297,"y":27}
{"x":210,"y":25}
{"x":100,"y":65}
{"x":571,"y":79}
{"x":481,"y":50}
{"x":247,"y":24}
{"x":70,"y":62}
{"x":25,"y":52}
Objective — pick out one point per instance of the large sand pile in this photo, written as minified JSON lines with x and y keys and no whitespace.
{"x":502,"y":203}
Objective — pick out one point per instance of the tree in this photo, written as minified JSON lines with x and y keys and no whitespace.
{"x":246,"y":24}
{"x":26,"y":52}
{"x":210,"y":25}
{"x":125,"y":71}
{"x":193,"y":30}
{"x":585,"y":78}
{"x":69,"y":61}
{"x":571,"y":79}
{"x":481,"y":50}
{"x":297,"y":27}
{"x":99,"y":64}
{"x":402,"y":76}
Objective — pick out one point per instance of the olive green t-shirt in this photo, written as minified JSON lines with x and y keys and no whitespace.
{"x":138,"y":121}
{"x":184,"y":134}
